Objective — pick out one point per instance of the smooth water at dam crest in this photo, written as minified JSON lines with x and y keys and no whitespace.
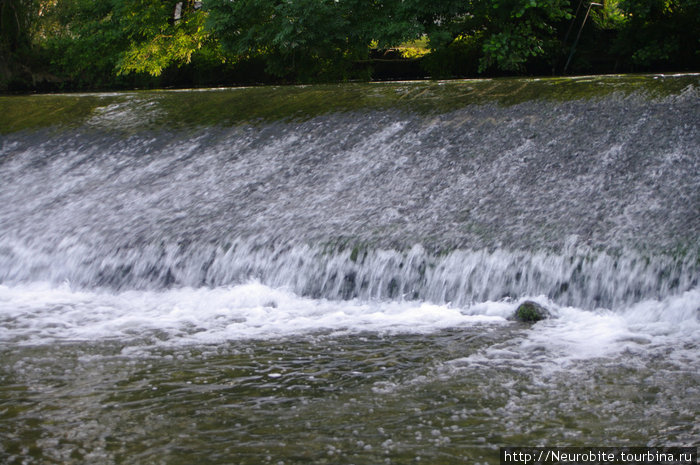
{"x":326,"y":274}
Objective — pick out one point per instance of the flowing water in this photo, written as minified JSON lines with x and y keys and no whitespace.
{"x":326,"y":274}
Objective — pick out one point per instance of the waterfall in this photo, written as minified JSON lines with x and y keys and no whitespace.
{"x":591,"y":201}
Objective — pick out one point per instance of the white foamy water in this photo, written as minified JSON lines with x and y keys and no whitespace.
{"x":40,"y":314}
{"x":668,"y":328}
{"x":182,"y":288}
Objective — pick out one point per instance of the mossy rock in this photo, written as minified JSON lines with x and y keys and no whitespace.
{"x":530,"y":312}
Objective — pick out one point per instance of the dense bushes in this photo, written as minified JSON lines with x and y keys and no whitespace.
{"x":91,"y":44}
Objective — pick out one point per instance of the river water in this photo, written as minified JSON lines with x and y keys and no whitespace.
{"x":326,"y":274}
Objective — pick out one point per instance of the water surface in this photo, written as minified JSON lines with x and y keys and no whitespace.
{"x":326,"y":274}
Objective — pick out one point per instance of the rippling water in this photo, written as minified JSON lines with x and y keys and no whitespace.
{"x":338,"y":288}
{"x":250,"y":374}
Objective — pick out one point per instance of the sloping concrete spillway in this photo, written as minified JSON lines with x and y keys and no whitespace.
{"x":401,"y":214}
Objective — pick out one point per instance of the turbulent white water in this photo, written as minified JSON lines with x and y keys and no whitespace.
{"x":44,"y":314}
{"x":340,"y":289}
{"x":364,"y":221}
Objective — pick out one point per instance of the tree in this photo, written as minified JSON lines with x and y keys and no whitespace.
{"x":103,"y":43}
{"x":86,"y":41}
{"x":303,"y":39}
{"x":501,"y":34}
{"x":15,"y":23}
{"x":161,"y":34}
{"x":660,"y":34}
{"x":516,"y":31}
{"x":122,"y":43}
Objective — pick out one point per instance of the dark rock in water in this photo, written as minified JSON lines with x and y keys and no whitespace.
{"x":530,"y":312}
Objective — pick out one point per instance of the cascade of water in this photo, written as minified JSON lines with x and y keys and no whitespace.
{"x":589,"y":202}
{"x":328,"y":274}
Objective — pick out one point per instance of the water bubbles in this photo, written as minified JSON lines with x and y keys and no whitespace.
{"x":324,"y":292}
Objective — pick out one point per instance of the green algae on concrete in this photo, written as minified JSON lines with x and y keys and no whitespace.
{"x":174,"y":109}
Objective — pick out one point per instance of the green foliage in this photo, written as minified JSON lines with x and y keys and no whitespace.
{"x":441,"y":21}
{"x":458,"y":58}
{"x":87,"y":39}
{"x":97,"y":43}
{"x":303,"y":39}
{"x":120,"y":43}
{"x":414,"y":48}
{"x":518,"y":30}
{"x":507,"y":32}
{"x":509,"y":50}
{"x":609,"y":16}
{"x":158,"y":42}
{"x":16,"y":18}
{"x":660,"y":33}
{"x":16,"y":22}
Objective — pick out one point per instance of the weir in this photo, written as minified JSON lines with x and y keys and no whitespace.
{"x":328,"y":274}
{"x":585,"y":191}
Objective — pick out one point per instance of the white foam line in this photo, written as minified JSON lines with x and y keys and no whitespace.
{"x":40,"y":314}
